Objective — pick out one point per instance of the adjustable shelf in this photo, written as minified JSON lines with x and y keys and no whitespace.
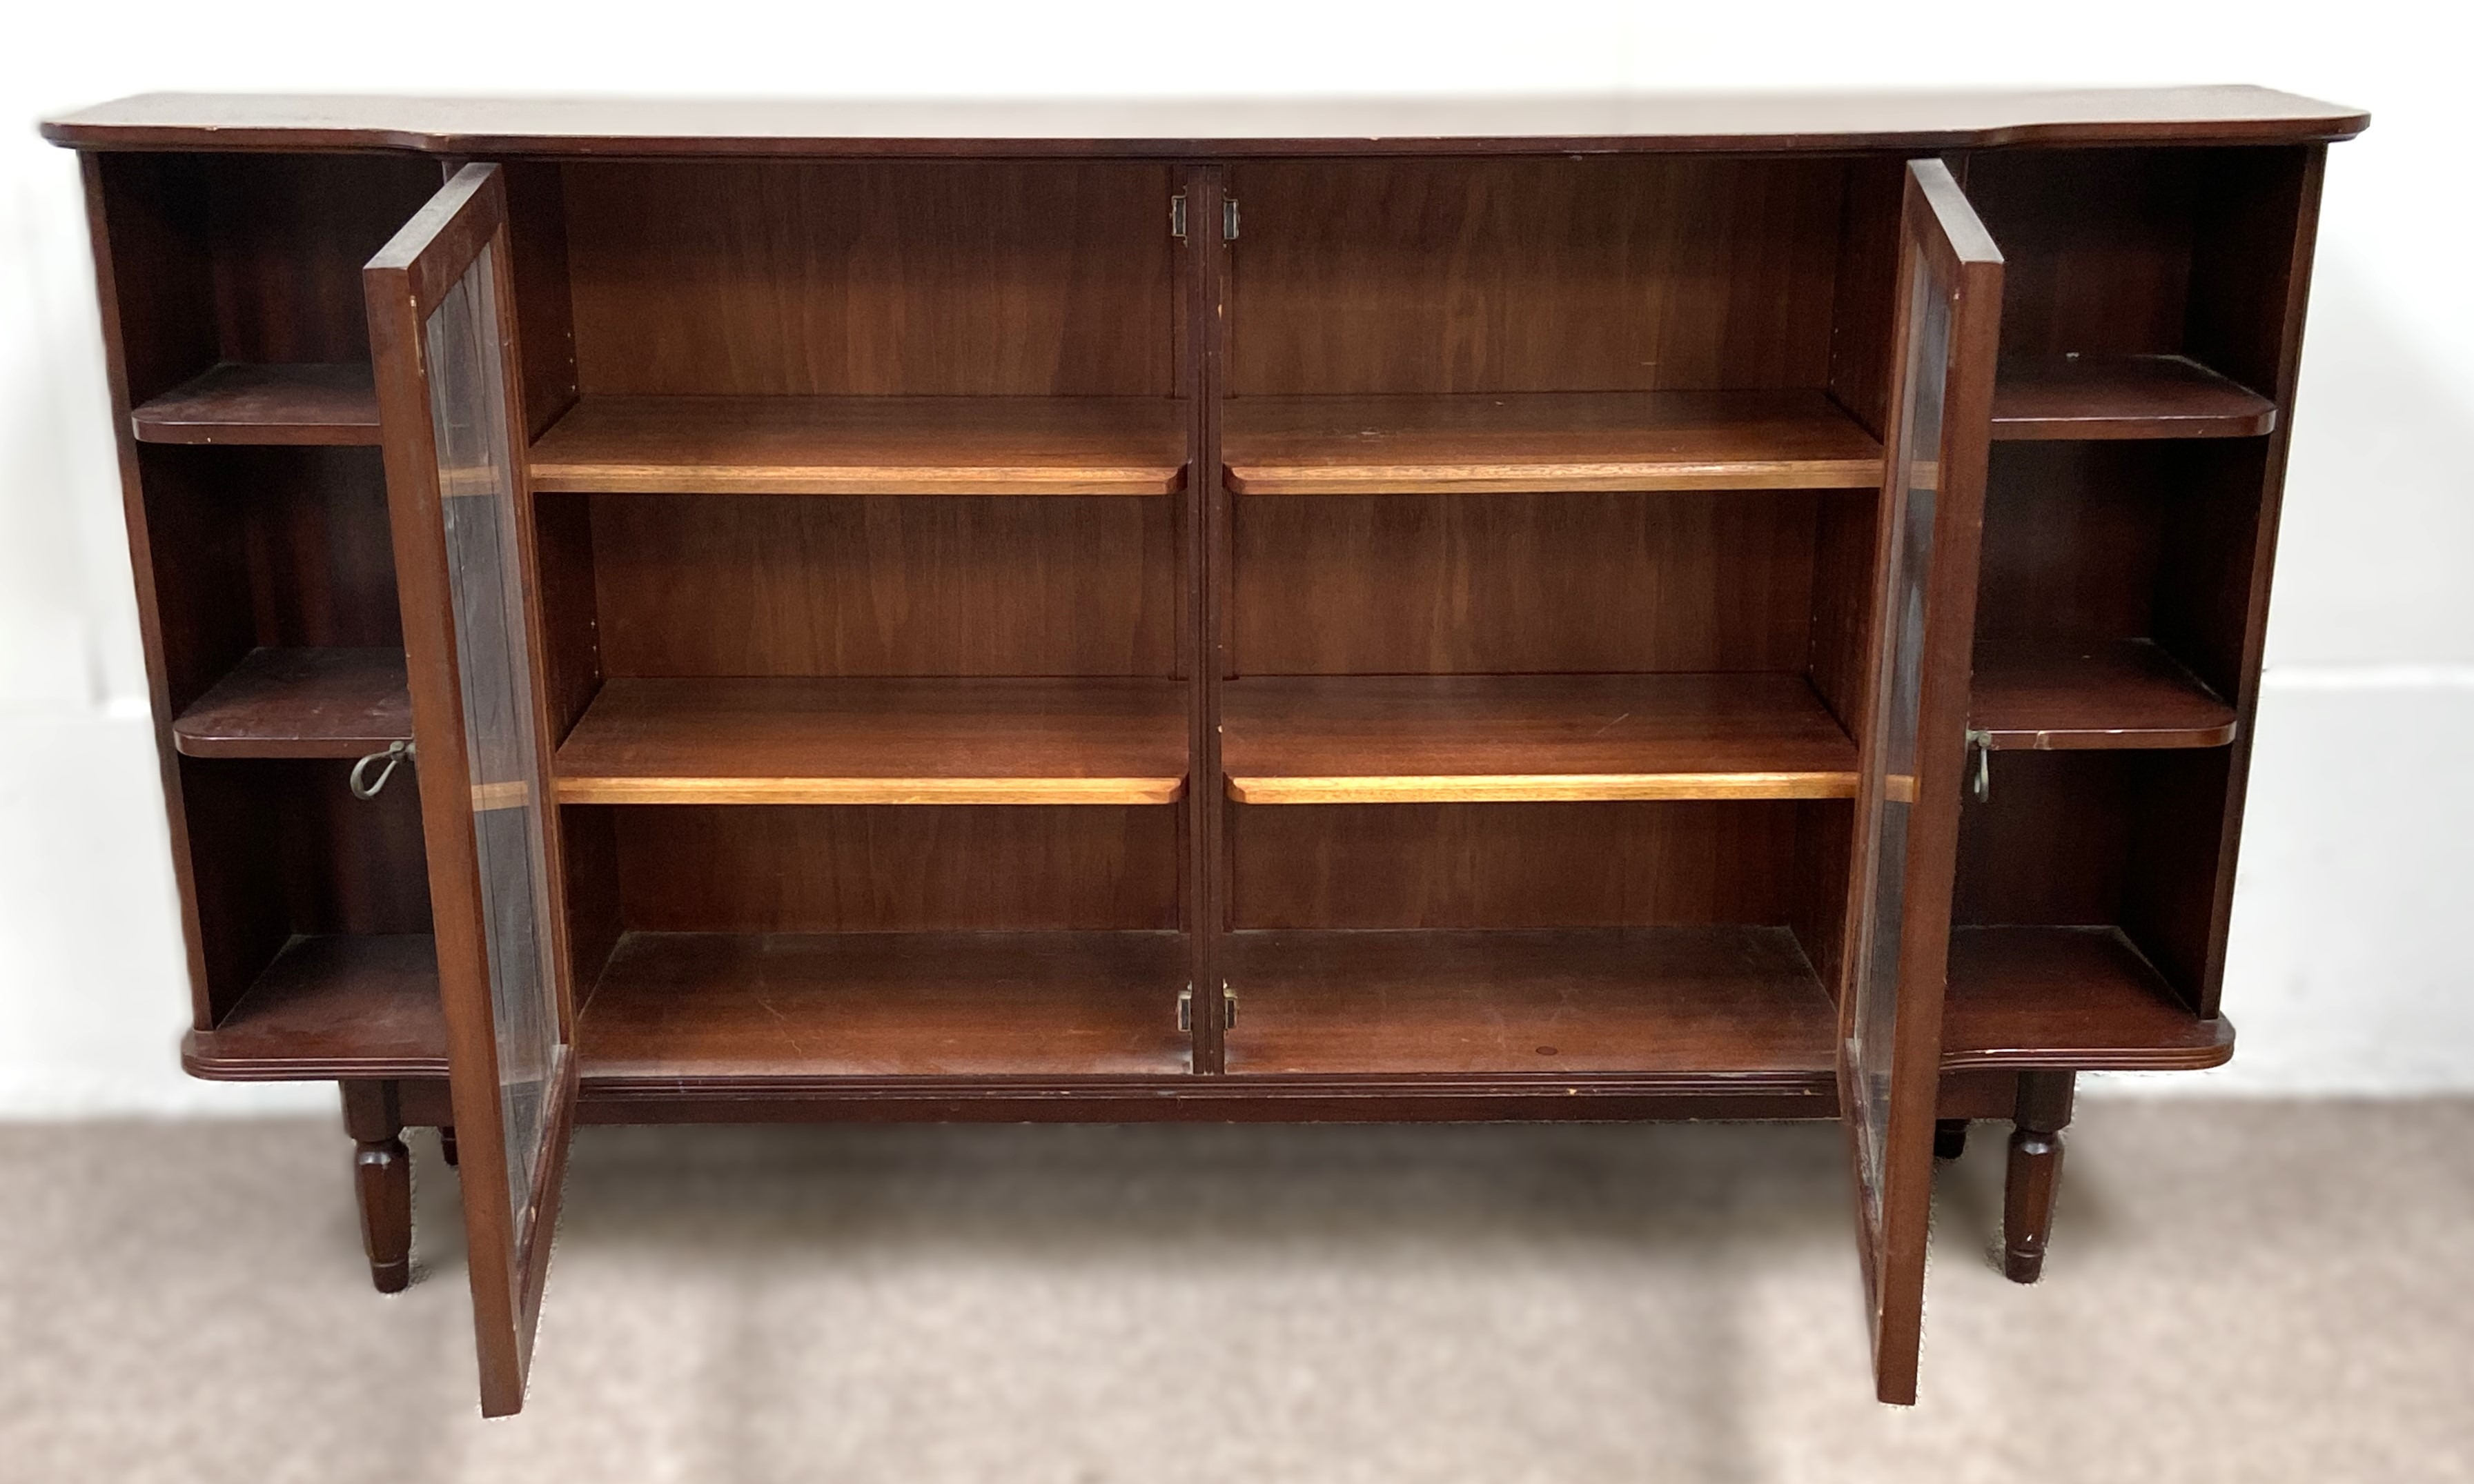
{"x":2073,"y":998}
{"x":676,"y":1009}
{"x":317,"y":402}
{"x":864,"y":445}
{"x":974,"y":740}
{"x":1727,"y":1005}
{"x":1559,"y":440}
{"x":2119,"y":396}
{"x":301,"y":703}
{"x":2125,"y":694}
{"x":331,"y":1006}
{"x":1508,"y":738}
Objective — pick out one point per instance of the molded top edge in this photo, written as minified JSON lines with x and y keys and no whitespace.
{"x":1172,"y":127}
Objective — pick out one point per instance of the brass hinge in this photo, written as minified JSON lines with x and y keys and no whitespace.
{"x":1185,"y":1008}
{"x":1177,"y":216}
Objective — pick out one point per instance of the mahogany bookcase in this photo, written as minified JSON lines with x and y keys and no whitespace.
{"x":1592,"y":608}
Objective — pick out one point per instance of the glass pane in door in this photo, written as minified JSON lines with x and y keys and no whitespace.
{"x":1872,"y":1044}
{"x":477,"y":506}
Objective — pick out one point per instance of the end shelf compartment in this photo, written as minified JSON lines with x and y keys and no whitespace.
{"x":332,"y":1005}
{"x":2123,"y":693}
{"x":2122,"y":397}
{"x":2075,"y":999}
{"x":301,"y":703}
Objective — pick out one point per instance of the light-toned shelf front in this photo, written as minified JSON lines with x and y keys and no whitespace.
{"x":960,"y":741}
{"x":1544,"y":442}
{"x":1525,"y":739}
{"x":1121,"y":445}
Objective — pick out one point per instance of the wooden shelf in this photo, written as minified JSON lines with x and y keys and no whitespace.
{"x":2125,"y":694}
{"x":1736,"y":1004}
{"x":331,"y":1007}
{"x":1559,"y":440}
{"x":878,"y":741}
{"x":2107,"y":397}
{"x":724,"y":1009}
{"x":865,"y":445}
{"x":301,"y":703}
{"x":305,"y":403}
{"x":2075,"y":997}
{"x":1506,"y":738}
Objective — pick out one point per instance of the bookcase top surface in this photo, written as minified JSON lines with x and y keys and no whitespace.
{"x":1170,"y":128}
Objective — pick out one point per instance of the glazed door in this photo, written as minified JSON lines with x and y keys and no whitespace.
{"x":1914,"y":746}
{"x":443,"y":336}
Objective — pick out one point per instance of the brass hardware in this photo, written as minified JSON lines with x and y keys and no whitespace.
{"x":1185,"y":1008}
{"x":1177,"y":216}
{"x":396,"y":753}
{"x":1980,"y":743}
{"x":1229,"y":219}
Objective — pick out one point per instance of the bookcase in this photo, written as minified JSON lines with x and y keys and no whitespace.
{"x":1590,"y":608}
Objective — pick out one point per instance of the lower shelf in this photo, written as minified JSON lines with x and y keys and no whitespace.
{"x":331,"y":1007}
{"x":1729,"y":1004}
{"x":737,"y":1010}
{"x":2077,"y":999}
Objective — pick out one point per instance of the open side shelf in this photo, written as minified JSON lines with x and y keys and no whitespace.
{"x":2077,"y":998}
{"x":301,"y":703}
{"x":673,"y":1011}
{"x":1120,"y":445}
{"x":1544,"y":442}
{"x":1509,"y":738}
{"x":313,"y":402}
{"x":331,"y":1006}
{"x":2125,"y":694}
{"x":1726,"y":1006}
{"x":2108,"y":397}
{"x":973,"y":740}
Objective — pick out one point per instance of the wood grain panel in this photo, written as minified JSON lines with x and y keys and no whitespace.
{"x":2096,"y":246}
{"x":1425,"y":740}
{"x":2049,"y":846}
{"x":1522,"y":442}
{"x":753,"y":586}
{"x":977,"y":278}
{"x":290,"y":233}
{"x":1375,"y":585}
{"x":863,"y":868}
{"x":1533,"y":276}
{"x":1514,"y":864}
{"x":865,"y":445}
{"x":784,"y":1008}
{"x":2074,"y":536}
{"x":878,"y":741}
{"x":1726,"y":1000}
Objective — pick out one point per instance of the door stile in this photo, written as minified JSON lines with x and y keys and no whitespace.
{"x":1206,"y":259}
{"x":498,"y":933}
{"x":1948,"y":328}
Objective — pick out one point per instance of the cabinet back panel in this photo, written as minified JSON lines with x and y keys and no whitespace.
{"x":867,"y":868}
{"x":776,"y":279}
{"x":2074,"y":536}
{"x":1640,"y":273}
{"x":290,"y":233}
{"x":2096,"y":247}
{"x":770,"y":584}
{"x":1510,"y":583}
{"x":1514,"y":864}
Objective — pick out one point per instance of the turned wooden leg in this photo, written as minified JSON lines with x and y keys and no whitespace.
{"x":2035,"y":1170}
{"x":1949,"y":1138}
{"x":446,"y":1143}
{"x":382,"y":1180}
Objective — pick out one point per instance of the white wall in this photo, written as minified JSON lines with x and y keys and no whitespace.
{"x":2347,"y":974}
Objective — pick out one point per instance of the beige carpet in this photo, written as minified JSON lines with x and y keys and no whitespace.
{"x":2252,"y":1292}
